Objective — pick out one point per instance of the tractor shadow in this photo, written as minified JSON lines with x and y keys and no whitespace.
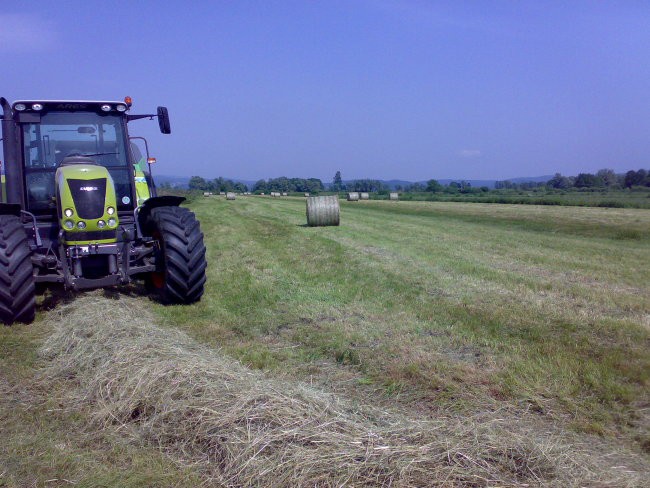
{"x":49,"y":297}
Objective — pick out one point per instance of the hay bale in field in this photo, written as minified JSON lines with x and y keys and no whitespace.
{"x":206,"y":193}
{"x":364,"y":196}
{"x":284,"y":193}
{"x":230,"y":195}
{"x":222,"y":193}
{"x":393,"y":196}
{"x":323,"y":211}
{"x":353,"y":196}
{"x":306,"y":194}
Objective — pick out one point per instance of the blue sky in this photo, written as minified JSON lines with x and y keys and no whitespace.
{"x":379,"y":89}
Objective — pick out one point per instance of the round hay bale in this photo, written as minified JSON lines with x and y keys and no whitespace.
{"x":306,"y":194}
{"x":353,"y":196}
{"x":364,"y":196}
{"x":323,"y":211}
{"x":393,"y":196}
{"x":230,"y":195}
{"x":284,"y":193}
{"x":206,"y":193}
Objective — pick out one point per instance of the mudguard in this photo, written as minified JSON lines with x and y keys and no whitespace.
{"x":154,"y":202}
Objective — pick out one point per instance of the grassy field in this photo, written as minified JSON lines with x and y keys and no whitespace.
{"x":535,"y":316}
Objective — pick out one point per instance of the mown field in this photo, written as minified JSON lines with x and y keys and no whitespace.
{"x":639,"y":197}
{"x":534,"y":319}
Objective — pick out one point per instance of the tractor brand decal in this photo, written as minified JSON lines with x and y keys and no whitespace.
{"x":71,"y":106}
{"x":89,"y":188}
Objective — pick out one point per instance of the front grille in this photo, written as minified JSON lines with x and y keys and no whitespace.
{"x":95,"y":235}
{"x":89,"y":197}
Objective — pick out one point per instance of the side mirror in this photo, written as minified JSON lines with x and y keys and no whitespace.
{"x":163,"y":120}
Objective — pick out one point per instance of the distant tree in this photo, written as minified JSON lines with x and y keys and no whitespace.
{"x":416,"y":187}
{"x":635,"y":178}
{"x":608,"y":176}
{"x":433,"y":186}
{"x":314,"y":185}
{"x":559,"y":182}
{"x":260,"y":186}
{"x":240,"y":187}
{"x":337,"y":182}
{"x":198,"y":183}
{"x":588,"y":180}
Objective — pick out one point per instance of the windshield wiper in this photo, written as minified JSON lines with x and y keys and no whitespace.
{"x":100,"y":154}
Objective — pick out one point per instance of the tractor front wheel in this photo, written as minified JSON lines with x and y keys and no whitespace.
{"x":17,"y":291}
{"x":180,"y":259}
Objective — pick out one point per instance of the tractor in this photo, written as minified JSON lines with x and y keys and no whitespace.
{"x":79,"y":207}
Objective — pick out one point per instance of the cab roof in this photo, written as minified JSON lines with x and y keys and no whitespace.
{"x":70,"y":105}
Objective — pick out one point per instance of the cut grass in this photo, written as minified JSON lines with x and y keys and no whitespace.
{"x":536,"y":318}
{"x":444,"y":303}
{"x":44,"y":443}
{"x":160,"y":388}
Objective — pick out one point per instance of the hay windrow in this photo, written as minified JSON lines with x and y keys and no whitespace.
{"x":159,"y":386}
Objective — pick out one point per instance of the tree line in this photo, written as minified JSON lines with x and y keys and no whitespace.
{"x":217,"y":185}
{"x":284,"y":184}
{"x":604,"y":178}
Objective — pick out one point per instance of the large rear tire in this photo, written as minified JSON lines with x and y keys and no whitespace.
{"x":180,"y":260}
{"x":17,"y":291}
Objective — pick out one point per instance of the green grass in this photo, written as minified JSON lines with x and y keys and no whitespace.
{"x":638,"y":197}
{"x":437,"y":307}
{"x":449,"y":305}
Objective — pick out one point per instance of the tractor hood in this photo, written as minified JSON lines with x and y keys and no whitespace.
{"x":87,"y":205}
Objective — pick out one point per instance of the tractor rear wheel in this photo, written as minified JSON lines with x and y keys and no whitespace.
{"x":17,"y":291}
{"x":180,"y":259}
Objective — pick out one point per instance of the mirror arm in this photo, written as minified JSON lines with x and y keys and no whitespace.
{"x":142,"y":116}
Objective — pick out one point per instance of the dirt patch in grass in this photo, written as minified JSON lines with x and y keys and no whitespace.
{"x":160,"y":388}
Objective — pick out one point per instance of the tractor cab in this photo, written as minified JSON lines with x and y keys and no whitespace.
{"x":79,"y":207}
{"x":50,"y":132}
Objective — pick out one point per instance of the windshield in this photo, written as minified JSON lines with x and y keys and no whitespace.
{"x":62,"y":134}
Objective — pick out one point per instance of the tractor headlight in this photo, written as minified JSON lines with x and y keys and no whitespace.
{"x":20,"y":107}
{"x":101,"y":224}
{"x":68,"y":212}
{"x":37,"y":106}
{"x":68,"y":224}
{"x":81,"y":224}
{"x":106,"y":108}
{"x":110,"y":210}
{"x":112,"y":222}
{"x":121,"y":108}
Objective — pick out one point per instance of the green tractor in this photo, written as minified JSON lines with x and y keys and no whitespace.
{"x":79,"y":208}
